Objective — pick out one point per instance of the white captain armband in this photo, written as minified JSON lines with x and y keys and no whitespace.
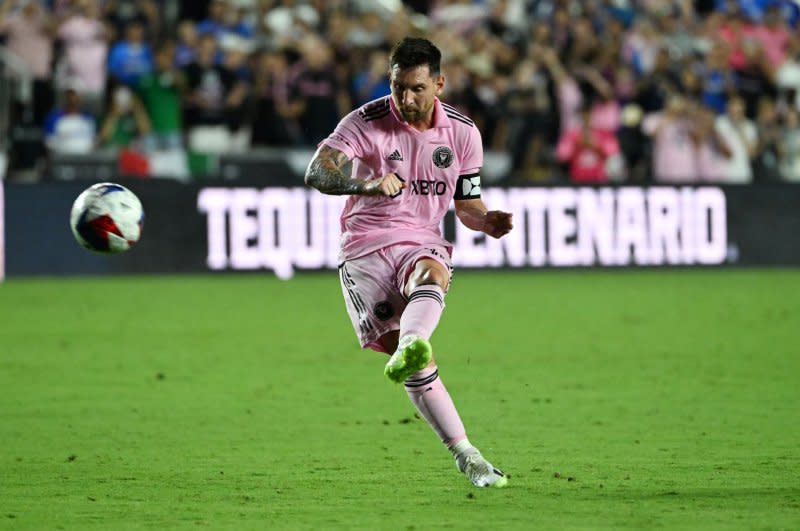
{"x":468,"y":186}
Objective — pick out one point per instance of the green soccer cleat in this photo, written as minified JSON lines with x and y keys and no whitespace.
{"x":412,"y":355}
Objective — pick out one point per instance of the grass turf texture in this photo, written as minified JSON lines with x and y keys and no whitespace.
{"x":613,"y":399}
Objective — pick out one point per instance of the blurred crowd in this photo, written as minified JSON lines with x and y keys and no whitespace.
{"x":573,"y":91}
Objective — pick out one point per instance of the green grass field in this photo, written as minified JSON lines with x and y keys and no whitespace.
{"x":652,"y":399}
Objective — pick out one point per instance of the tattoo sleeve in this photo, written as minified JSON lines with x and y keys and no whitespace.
{"x":325,"y":173}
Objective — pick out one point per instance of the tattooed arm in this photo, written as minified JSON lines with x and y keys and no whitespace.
{"x":325,"y":174}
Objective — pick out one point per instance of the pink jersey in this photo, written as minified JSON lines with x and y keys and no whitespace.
{"x":437,"y":165}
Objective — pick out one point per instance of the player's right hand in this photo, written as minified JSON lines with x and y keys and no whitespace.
{"x":389,"y":185}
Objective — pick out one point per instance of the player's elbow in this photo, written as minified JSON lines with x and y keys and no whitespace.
{"x":308,"y":179}
{"x":312,"y":176}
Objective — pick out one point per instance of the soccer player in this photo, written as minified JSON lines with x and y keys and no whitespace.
{"x":412,"y":154}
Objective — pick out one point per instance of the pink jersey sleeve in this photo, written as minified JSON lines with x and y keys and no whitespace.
{"x":472,"y":155}
{"x":349,"y":137}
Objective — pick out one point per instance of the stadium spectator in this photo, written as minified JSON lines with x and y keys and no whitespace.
{"x":587,"y":150}
{"x":236,"y":52}
{"x":213,"y":93}
{"x":787,"y":77}
{"x":323,"y":100}
{"x":459,"y":88}
{"x":69,"y":129}
{"x":691,"y":84}
{"x":126,"y":121}
{"x":584,"y":87}
{"x":161,"y":92}
{"x":642,"y":45}
{"x":674,"y":155}
{"x":583,"y":47}
{"x":738,"y":34}
{"x":122,"y":13}
{"x":656,"y":85}
{"x":224,"y":20}
{"x":600,"y":53}
{"x":368,"y":31}
{"x":83,"y":67}
{"x":462,"y":17}
{"x":741,"y":137}
{"x":717,"y":79}
{"x":773,"y":35}
{"x":289,"y":21}
{"x":790,"y":146}
{"x":132,"y":57}
{"x":186,"y":46}
{"x":29,"y":34}
{"x":756,"y":9}
{"x":338,"y":33}
{"x":372,"y":82}
{"x":676,"y":36}
{"x":712,"y":152}
{"x":533,"y":120}
{"x":274,"y":114}
{"x":756,"y":78}
{"x":634,"y":145}
{"x":766,"y":159}
{"x":560,"y":24}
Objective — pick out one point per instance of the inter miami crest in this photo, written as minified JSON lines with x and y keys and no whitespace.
{"x":383,"y":310}
{"x":443,"y":157}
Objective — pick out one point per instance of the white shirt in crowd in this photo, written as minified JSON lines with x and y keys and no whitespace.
{"x":738,"y":169}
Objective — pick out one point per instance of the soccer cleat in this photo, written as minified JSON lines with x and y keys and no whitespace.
{"x":480,"y":471}
{"x":412,"y":355}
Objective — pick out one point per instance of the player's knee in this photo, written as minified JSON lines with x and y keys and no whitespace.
{"x":428,"y":276}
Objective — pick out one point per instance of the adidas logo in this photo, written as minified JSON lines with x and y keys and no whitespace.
{"x":395,"y":155}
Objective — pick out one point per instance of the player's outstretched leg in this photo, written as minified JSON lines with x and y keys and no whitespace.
{"x":412,"y":355}
{"x":429,"y":395}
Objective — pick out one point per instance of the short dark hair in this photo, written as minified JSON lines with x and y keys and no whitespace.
{"x":412,"y":52}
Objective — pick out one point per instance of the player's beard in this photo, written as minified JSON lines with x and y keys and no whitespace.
{"x":414,"y":115}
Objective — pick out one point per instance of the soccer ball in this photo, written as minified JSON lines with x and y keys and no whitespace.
{"x":107,"y":218}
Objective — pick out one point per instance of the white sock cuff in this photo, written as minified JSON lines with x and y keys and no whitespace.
{"x":461,"y":446}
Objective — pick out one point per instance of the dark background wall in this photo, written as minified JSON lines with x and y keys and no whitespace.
{"x":763,"y":224}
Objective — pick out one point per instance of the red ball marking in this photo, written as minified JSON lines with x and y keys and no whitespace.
{"x":104,"y":224}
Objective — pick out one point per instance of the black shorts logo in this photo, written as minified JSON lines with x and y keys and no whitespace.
{"x":443,"y":157}
{"x":383,"y":310}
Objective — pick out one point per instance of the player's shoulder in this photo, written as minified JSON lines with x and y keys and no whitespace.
{"x":373,"y":111}
{"x":457,"y":118}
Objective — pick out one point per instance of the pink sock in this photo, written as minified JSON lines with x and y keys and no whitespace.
{"x":425,"y":305}
{"x":430,"y":396}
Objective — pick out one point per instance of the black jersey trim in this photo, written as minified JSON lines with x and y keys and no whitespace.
{"x":377,"y":116}
{"x":372,"y":109}
{"x":462,"y":120}
{"x":373,"y":112}
{"x":364,"y":322}
{"x":454,"y":111}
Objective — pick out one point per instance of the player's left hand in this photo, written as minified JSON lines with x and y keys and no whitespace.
{"x":497,"y":223}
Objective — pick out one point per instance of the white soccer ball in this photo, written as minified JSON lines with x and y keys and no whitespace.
{"x":107,"y":218}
